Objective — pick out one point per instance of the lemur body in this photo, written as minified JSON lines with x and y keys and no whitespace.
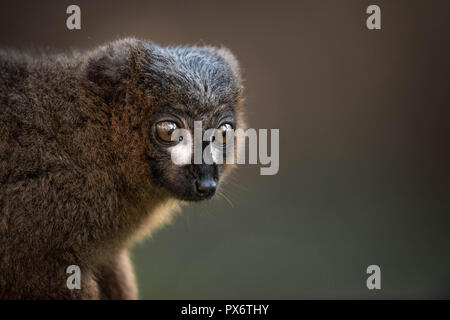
{"x":84,"y":167}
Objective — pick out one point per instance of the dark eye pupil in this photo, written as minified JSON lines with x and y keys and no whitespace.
{"x":165,"y":129}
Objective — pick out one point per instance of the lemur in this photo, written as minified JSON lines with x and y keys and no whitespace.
{"x":85,"y":167}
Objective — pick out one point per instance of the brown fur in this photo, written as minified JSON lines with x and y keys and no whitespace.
{"x":78,"y":178}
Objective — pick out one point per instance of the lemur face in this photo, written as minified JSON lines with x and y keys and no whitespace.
{"x":174,"y":164}
{"x":199,"y":108}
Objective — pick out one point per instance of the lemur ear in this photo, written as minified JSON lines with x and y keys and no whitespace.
{"x":231,"y":60}
{"x":111,"y":67}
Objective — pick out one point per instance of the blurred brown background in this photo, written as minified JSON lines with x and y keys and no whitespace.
{"x":364,"y":161}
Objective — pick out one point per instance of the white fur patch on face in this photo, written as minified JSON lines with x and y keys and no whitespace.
{"x":181,"y":153}
{"x":218,"y":152}
{"x":213,"y":153}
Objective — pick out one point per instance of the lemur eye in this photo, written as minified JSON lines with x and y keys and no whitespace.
{"x":224,"y":132}
{"x":165,"y":129}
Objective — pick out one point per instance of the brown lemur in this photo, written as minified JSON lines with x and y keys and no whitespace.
{"x":85,"y":169}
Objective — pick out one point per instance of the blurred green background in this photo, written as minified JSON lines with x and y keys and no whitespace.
{"x":364,"y":160}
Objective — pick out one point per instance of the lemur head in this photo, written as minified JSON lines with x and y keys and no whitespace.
{"x":169,"y":91}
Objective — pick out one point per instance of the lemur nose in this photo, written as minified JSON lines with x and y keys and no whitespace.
{"x":206,"y":187}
